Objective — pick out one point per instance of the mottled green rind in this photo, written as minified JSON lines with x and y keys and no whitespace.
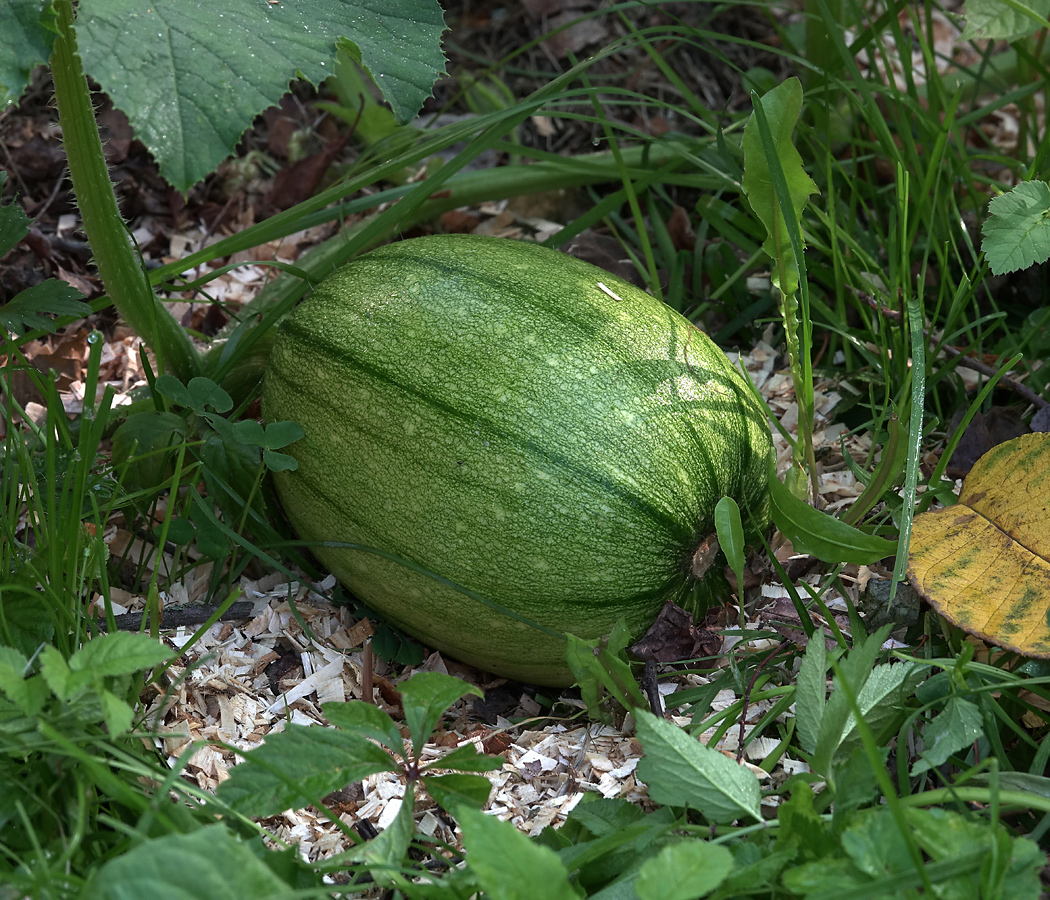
{"x":484,"y":409}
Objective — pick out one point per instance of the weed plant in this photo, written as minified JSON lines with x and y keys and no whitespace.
{"x":925,"y":767}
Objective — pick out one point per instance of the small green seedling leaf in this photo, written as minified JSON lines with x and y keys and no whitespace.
{"x":466,"y":759}
{"x":507,"y":864}
{"x":1016,"y":234}
{"x":199,"y":394}
{"x":425,"y":697}
{"x":279,"y":462}
{"x":597,"y":669}
{"x":825,"y":537}
{"x":281,"y":434}
{"x":28,"y":694}
{"x":451,"y":791}
{"x":730,"y":531}
{"x":194,"y":866}
{"x":32,"y":307}
{"x":680,"y":771}
{"x":956,"y":727}
{"x":14,"y":223}
{"x":683,"y":871}
{"x":115,"y":713}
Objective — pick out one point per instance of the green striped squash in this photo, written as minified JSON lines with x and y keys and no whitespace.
{"x":517,"y":444}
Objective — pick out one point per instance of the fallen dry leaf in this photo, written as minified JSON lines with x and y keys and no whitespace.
{"x":984,"y":564}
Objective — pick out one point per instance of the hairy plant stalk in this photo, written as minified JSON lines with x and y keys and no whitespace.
{"x":115,"y":256}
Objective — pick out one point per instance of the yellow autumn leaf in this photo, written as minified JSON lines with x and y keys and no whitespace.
{"x":984,"y":564}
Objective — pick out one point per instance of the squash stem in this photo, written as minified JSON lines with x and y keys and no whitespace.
{"x":115,"y":256}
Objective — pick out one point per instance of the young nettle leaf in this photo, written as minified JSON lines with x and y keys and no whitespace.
{"x":425,"y":697}
{"x":451,"y":791}
{"x":507,"y":865}
{"x":199,"y":863}
{"x":465,"y":759}
{"x":680,"y":771}
{"x":14,"y":223}
{"x":120,"y":653}
{"x":366,"y":719}
{"x":299,"y":766}
{"x":388,"y":848}
{"x":1016,"y":233}
{"x":683,"y":871}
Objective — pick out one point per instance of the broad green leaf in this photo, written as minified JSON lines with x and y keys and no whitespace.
{"x":984,"y":564}
{"x":683,"y":871}
{"x":825,"y":537}
{"x":425,"y":697}
{"x":1016,"y":233}
{"x":191,"y":75}
{"x":29,"y":694}
{"x":366,"y":719}
{"x":33,"y":307}
{"x":299,"y":766}
{"x":27,"y":623}
{"x":249,"y":432}
{"x":811,"y":689}
{"x":450,"y":792}
{"x":279,"y":462}
{"x":956,"y":727}
{"x":281,"y":434}
{"x":855,"y":668}
{"x":119,"y":653}
{"x":605,"y":815}
{"x":995,"y":20}
{"x":25,"y":43}
{"x":208,"y":864}
{"x":781,"y":106}
{"x":680,"y":771}
{"x":507,"y":864}
{"x":884,"y":698}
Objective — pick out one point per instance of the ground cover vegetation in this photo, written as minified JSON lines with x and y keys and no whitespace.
{"x":841,"y":182}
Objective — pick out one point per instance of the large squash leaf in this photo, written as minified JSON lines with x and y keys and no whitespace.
{"x":984,"y":564}
{"x":192,"y":74}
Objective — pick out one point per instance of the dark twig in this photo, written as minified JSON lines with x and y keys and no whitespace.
{"x":964,"y":360}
